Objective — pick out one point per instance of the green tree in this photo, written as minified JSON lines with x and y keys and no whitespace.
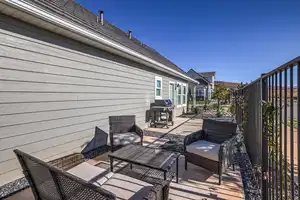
{"x":220,"y":94}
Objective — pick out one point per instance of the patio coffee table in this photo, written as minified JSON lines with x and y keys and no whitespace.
{"x":153,"y":158}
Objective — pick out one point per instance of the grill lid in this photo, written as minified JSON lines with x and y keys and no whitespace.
{"x":162,"y":102}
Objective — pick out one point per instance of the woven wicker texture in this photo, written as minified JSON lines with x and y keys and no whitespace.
{"x":218,"y":131}
{"x":49,"y":182}
{"x":151,"y":157}
{"x":160,"y":188}
{"x":221,"y":132}
{"x":71,"y":189}
{"x":123,"y":124}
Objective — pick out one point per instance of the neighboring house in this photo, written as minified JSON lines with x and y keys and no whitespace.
{"x":229,"y":85}
{"x":63,"y":71}
{"x":211,"y":77}
{"x":232,"y":86}
{"x":206,"y":83}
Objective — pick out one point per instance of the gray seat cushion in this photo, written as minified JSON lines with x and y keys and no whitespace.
{"x":125,"y":187}
{"x":204,"y":149}
{"x":86,"y":171}
{"x":91,"y":173}
{"x":125,"y":138}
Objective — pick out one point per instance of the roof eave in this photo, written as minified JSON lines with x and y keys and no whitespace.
{"x":203,"y":78}
{"x":104,"y":42}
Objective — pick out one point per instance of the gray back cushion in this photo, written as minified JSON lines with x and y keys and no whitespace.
{"x":218,"y":131}
{"x":121,"y":124}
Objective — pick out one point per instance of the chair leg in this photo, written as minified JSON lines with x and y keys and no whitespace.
{"x":185,"y":164}
{"x":111,"y":148}
{"x":233,"y":168}
{"x":111,"y":143}
{"x":220,"y":178}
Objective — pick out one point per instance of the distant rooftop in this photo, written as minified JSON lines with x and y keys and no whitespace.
{"x":207,"y":73}
{"x":232,"y":85}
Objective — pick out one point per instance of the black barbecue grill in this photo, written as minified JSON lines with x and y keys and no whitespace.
{"x":162,"y":113}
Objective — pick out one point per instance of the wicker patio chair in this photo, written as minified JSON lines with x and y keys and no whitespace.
{"x":212,"y":147}
{"x":123,"y":130}
{"x":51,"y":181}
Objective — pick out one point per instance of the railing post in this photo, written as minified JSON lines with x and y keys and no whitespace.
{"x":264,"y":151}
{"x":236,"y":107}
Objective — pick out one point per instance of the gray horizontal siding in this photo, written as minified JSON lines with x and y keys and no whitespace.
{"x":54,"y":92}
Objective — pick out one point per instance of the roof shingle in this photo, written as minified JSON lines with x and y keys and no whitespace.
{"x":77,"y":13}
{"x":207,"y":73}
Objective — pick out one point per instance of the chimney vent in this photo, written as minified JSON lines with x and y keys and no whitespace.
{"x":130,"y":34}
{"x":101,"y":17}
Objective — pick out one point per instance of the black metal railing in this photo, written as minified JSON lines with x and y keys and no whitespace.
{"x":267,"y":113}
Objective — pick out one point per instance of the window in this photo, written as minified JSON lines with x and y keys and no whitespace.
{"x":184,"y":94}
{"x":179,"y":95}
{"x":158,"y":87}
{"x":172,"y":92}
{"x":201,"y":92}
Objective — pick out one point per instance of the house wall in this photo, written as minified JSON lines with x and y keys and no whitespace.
{"x":212,"y":86}
{"x":206,"y":91}
{"x":200,"y":92}
{"x":200,"y":87}
{"x":54,"y":91}
{"x":210,"y":78}
{"x":213,"y":82}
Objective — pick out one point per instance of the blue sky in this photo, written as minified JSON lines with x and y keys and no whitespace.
{"x":237,"y":39}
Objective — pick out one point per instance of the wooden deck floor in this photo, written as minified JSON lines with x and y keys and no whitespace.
{"x":194,"y":184}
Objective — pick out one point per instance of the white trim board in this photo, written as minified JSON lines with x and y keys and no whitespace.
{"x":161,"y":87}
{"x":174,"y":92}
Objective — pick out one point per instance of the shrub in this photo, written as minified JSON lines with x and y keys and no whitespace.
{"x":232,"y":109}
{"x":197,"y":110}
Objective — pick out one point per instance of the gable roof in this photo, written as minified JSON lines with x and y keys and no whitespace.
{"x":74,"y":11}
{"x":207,"y":73}
{"x":197,"y":76}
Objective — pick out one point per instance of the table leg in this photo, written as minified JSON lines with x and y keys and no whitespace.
{"x":130,"y":166}
{"x":159,"y":116}
{"x":177,"y":169}
{"x":167,"y":119}
{"x":111,"y":164}
{"x":155,"y":118}
{"x":165,"y":175}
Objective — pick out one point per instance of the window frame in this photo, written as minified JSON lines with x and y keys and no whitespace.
{"x":155,"y":87}
{"x":201,"y":92}
{"x":174,"y":92}
{"x":182,"y":94}
{"x":177,"y":90}
{"x":181,"y":85}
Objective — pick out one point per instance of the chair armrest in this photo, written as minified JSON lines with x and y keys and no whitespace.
{"x":159,"y":185}
{"x":68,"y":161}
{"x":226,"y":152}
{"x":152,"y":176}
{"x":138,"y":130}
{"x":198,"y":135}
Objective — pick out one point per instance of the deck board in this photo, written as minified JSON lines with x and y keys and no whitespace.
{"x":194,"y":184}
